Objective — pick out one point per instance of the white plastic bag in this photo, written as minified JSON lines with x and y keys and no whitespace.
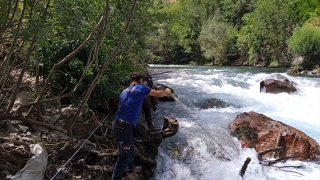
{"x":36,"y":166}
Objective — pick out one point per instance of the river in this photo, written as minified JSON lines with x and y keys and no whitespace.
{"x":203,"y":143}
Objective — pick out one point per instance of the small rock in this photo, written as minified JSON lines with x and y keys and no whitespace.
{"x":11,"y":129}
{"x":22,"y":128}
{"x":58,"y":136}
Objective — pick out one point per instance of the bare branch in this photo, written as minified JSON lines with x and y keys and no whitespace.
{"x":5,"y":26}
{"x":15,"y":92}
{"x":33,"y":122}
{"x":64,"y":60}
{"x":8,"y":56}
{"x":260,"y":154}
{"x":103,"y":31}
{"x":105,"y":65}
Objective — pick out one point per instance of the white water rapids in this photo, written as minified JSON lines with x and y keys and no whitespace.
{"x":203,"y":143}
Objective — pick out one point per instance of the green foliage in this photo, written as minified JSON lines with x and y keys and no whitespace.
{"x":305,"y":41}
{"x":74,"y":19}
{"x":70,"y":24}
{"x":217,"y":39}
{"x":265,"y":32}
{"x":305,"y":9}
{"x":68,"y":75}
{"x":178,"y":28}
{"x":232,"y":11}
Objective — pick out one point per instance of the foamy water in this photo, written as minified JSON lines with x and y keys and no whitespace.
{"x":202,"y":146}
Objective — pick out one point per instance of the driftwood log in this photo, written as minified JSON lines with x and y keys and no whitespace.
{"x":244,"y":167}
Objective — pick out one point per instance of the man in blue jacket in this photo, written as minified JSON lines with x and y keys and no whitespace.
{"x":126,"y":119}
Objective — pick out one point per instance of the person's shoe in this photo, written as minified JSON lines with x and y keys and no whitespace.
{"x":138,"y":139}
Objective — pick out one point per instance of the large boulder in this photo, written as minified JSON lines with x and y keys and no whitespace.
{"x":83,"y":126}
{"x":212,"y":103}
{"x":282,"y":78}
{"x":261,"y":132}
{"x":169,"y":97}
{"x":276,"y":86}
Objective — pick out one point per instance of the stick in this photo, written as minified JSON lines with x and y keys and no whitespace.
{"x":277,"y":145}
{"x":260,"y":154}
{"x":244,"y":166}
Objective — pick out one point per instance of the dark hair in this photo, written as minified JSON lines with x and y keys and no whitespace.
{"x":136,"y":76}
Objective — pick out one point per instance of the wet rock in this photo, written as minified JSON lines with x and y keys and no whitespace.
{"x":169,"y":97}
{"x":147,"y":151}
{"x":212,"y":103}
{"x":261,"y":132}
{"x":276,"y":86}
{"x":282,"y":78}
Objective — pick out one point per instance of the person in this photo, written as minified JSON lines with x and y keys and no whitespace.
{"x":147,"y":114}
{"x":126,"y":119}
{"x":148,"y":102}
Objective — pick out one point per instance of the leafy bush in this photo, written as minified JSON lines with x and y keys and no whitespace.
{"x":265,"y":32}
{"x":305,"y":41}
{"x":217,"y":40}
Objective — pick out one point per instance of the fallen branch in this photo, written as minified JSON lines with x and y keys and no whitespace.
{"x":260,"y":154}
{"x":288,"y":166}
{"x":291,"y":171}
{"x":244,"y":166}
{"x":101,"y":155}
{"x":33,"y":122}
{"x":81,"y":165}
{"x":271,"y":162}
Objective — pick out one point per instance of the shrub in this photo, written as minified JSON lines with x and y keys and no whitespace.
{"x":305,"y":41}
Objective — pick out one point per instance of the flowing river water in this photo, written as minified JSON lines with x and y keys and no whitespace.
{"x":200,"y":149}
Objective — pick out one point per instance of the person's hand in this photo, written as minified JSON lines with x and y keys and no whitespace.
{"x":168,"y":91}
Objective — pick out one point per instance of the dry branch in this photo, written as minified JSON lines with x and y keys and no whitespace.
{"x":260,"y":154}
{"x":244,"y":166}
{"x":33,"y":122}
{"x":105,"y":65}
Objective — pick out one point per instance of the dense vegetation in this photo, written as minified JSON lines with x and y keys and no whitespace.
{"x":85,"y":49}
{"x":242,"y":32}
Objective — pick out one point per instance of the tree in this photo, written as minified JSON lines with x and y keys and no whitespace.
{"x":305,"y":9}
{"x":265,"y":32}
{"x":216,"y":39}
{"x":305,"y":41}
{"x":34,"y":28}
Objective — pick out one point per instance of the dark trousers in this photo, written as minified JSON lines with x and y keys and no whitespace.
{"x":123,"y":134}
{"x":147,"y":111}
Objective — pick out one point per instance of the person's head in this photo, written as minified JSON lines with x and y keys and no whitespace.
{"x":148,"y":80}
{"x":137,"y":77}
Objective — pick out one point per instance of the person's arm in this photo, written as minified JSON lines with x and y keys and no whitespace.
{"x":159,"y":93}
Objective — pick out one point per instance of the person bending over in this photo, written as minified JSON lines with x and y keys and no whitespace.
{"x":148,"y":103}
{"x":126,"y":119}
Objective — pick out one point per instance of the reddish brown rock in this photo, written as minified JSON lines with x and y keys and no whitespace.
{"x":261,"y":132}
{"x":276,"y":86}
